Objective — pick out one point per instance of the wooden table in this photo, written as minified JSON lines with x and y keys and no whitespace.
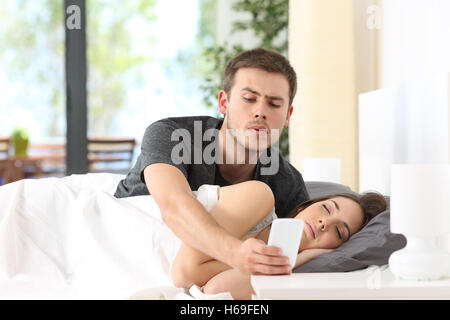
{"x":16,"y":166}
{"x":42,"y":156}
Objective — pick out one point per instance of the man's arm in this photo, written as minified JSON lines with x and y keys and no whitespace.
{"x":186,"y":216}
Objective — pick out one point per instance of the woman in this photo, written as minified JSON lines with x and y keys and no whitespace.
{"x":329,"y":222}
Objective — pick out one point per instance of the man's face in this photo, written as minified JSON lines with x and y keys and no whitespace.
{"x":257,"y":109}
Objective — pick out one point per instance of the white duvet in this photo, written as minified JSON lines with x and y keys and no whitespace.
{"x":70,"y":238}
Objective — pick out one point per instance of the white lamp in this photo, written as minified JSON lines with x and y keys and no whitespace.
{"x":420,"y":210}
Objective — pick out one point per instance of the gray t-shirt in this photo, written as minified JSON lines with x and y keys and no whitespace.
{"x":287,"y":183}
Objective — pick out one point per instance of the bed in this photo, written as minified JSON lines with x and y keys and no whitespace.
{"x":82,"y":244}
{"x":69,"y":238}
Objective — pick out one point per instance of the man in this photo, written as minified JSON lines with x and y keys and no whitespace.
{"x":256,"y":101}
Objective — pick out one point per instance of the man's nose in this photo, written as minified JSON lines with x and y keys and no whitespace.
{"x":260,"y":111}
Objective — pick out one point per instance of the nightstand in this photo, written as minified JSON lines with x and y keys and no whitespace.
{"x":367,"y":284}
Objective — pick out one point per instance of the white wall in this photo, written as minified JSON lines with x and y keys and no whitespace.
{"x":414,"y":40}
{"x":408,"y":120}
{"x":322,"y":51}
{"x":408,"y":123}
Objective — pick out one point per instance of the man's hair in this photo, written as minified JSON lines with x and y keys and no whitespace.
{"x":263,"y":59}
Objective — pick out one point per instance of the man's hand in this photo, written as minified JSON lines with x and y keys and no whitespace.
{"x":254,"y":256}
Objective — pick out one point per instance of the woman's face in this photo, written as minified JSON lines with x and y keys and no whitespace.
{"x":330,"y":223}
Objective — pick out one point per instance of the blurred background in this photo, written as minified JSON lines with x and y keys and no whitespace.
{"x":151,"y":59}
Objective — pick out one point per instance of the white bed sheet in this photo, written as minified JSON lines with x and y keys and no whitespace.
{"x":70,"y":238}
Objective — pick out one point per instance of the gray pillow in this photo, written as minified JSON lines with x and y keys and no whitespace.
{"x":371,"y":246}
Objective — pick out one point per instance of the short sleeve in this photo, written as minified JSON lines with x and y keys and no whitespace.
{"x":158,"y":146}
{"x":264,"y":223}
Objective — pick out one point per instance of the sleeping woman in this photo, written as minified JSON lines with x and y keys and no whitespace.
{"x":245,"y":210}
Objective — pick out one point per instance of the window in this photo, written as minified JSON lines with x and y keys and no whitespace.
{"x":140,"y":64}
{"x":32,"y":93}
{"x":143,"y":64}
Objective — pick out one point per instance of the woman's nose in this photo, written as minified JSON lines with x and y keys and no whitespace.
{"x":325,"y":223}
{"x":322,"y":224}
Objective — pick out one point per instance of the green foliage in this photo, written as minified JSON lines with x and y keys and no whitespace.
{"x":269,"y":23}
{"x":219,"y":57}
{"x":20,"y":133}
{"x":207,"y":26}
{"x":20,"y":137}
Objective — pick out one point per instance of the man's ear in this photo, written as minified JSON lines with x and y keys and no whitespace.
{"x":288,"y":116}
{"x":223,"y":102}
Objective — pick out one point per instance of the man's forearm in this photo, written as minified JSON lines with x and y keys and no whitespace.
{"x":190,"y":222}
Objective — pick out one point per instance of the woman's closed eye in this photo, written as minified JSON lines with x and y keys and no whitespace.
{"x":338,"y":233}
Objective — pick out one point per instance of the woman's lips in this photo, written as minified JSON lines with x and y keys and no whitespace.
{"x":311,"y":230}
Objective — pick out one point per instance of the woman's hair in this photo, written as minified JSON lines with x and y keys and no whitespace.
{"x":372,"y":203}
{"x":263,"y":59}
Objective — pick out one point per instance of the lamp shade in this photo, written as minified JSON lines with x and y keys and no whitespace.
{"x":420,"y":199}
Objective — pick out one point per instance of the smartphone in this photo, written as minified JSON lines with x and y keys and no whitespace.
{"x":286,"y":234}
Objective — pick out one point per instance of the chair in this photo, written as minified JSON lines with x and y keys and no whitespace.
{"x":4,"y":152}
{"x":114,"y":155}
{"x":52,"y":159}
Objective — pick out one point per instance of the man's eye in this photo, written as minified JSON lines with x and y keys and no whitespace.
{"x":274,"y":105}
{"x":249,"y":99}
